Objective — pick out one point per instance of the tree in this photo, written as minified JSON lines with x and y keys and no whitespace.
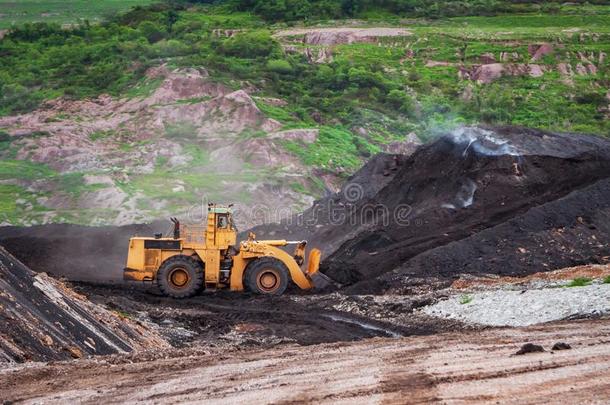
{"x":350,"y":7}
{"x":151,"y":31}
{"x":172,"y":18}
{"x":250,"y":44}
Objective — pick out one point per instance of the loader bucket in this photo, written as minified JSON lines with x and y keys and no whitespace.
{"x":318,"y":279}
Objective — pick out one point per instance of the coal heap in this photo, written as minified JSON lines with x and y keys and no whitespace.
{"x":503,"y":200}
{"x":41,"y":320}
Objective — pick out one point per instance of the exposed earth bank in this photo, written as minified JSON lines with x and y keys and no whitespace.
{"x":42,"y":319}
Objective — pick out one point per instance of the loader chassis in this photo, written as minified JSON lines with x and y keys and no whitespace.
{"x":207,"y":256}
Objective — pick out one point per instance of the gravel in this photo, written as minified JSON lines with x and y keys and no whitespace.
{"x":526,"y":307}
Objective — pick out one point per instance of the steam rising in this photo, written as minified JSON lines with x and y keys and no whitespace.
{"x":464,"y":197}
{"x":482,"y":142}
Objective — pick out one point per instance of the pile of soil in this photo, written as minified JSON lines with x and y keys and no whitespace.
{"x":320,"y":224}
{"x":508,"y":200}
{"x":570,"y":231}
{"x":41,"y":320}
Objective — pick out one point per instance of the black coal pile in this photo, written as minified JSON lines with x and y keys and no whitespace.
{"x":41,"y":320}
{"x":504,"y":200}
{"x":322,"y":224}
{"x":79,"y":253}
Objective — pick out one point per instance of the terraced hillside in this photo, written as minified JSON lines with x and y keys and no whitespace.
{"x":163,"y":108}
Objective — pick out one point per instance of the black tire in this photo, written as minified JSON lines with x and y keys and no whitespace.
{"x":180,"y":277}
{"x":267,"y":276}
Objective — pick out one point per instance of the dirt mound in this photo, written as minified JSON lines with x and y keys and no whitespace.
{"x":42,"y":320}
{"x":77,"y":252}
{"x":472,"y":180}
{"x":508,"y":201}
{"x":570,"y":231}
{"x":321,"y":224}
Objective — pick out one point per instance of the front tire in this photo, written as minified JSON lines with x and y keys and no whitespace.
{"x":180,"y":277}
{"x":267,"y":276}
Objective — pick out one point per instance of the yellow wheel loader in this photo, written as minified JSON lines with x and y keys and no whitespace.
{"x":207,"y":257}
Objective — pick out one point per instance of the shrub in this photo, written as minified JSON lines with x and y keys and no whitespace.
{"x":279,"y":66}
{"x":401,"y":101}
{"x":152,"y":32}
{"x":16,"y":98}
{"x":249,"y":44}
{"x":172,"y":47}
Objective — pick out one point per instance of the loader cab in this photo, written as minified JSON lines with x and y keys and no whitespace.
{"x":221,"y":232}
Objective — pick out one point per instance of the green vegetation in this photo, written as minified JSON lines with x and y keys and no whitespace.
{"x":181,"y":131}
{"x":335,"y":149}
{"x":606,"y":280}
{"x":361,"y":98}
{"x":62,"y":12}
{"x":43,"y":61}
{"x":579,"y":282}
{"x":24,"y":170}
{"x":98,"y":135}
{"x":293,"y":10}
{"x":466,"y":299}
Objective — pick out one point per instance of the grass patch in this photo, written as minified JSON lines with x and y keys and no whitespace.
{"x":466,"y":299}
{"x":99,"y":135}
{"x":280,"y":114}
{"x":335,"y":148}
{"x":199,"y":156}
{"x":183,"y":130}
{"x":194,"y":100}
{"x":606,"y":280}
{"x":298,"y":187}
{"x":250,"y":133}
{"x":144,"y":88}
{"x":24,"y":170}
{"x":123,"y":314}
{"x":579,"y":282}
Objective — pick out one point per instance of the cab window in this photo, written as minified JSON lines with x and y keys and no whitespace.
{"x":223,"y":221}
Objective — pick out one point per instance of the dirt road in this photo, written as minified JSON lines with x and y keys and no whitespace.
{"x":448,"y":368}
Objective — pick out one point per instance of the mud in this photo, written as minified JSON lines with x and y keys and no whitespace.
{"x":224,"y":319}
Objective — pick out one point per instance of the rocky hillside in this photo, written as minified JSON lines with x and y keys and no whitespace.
{"x":121,"y":161}
{"x":162,"y":109}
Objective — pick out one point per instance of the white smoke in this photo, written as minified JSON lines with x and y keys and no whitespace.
{"x":464,"y":197}
{"x":482,"y":142}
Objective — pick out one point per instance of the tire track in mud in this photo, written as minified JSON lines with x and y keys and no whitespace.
{"x":215,"y":316}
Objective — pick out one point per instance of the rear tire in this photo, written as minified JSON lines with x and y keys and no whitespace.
{"x":267,"y":276}
{"x":180,"y":277}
